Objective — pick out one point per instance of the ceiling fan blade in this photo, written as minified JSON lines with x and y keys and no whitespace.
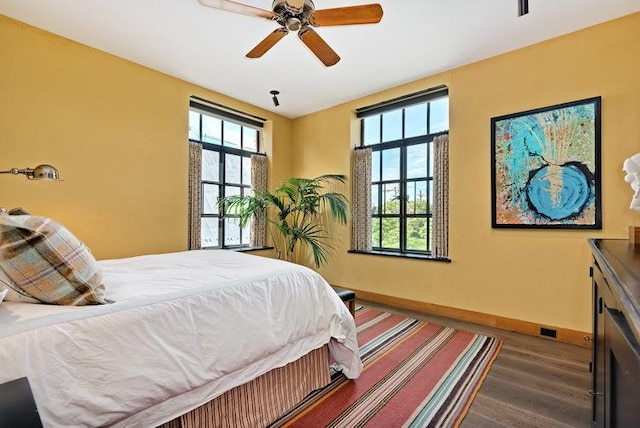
{"x":243,"y":9}
{"x":364,"y":14}
{"x":318,"y":46}
{"x":268,"y":42}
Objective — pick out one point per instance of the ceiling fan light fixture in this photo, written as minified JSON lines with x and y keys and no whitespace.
{"x":293,"y":24}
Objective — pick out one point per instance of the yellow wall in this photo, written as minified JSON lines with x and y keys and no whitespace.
{"x":117,"y":133}
{"x":115,"y":130}
{"x":531,"y":275}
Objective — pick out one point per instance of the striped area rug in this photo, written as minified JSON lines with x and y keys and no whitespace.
{"x":416,"y":374}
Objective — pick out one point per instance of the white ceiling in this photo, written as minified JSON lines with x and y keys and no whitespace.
{"x":416,"y":38}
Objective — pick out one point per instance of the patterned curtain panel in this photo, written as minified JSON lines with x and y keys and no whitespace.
{"x":195,"y":174}
{"x":257,"y":235}
{"x":441,"y":196}
{"x":361,"y":200}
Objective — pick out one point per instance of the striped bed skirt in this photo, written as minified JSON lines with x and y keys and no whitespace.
{"x":262,"y":400}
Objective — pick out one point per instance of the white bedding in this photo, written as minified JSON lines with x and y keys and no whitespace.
{"x":185,"y":327}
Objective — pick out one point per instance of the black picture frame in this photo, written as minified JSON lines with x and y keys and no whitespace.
{"x":545,"y":167}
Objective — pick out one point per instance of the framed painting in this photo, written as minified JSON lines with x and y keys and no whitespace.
{"x":545,"y":167}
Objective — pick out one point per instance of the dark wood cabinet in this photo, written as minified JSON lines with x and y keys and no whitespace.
{"x":616,"y":333}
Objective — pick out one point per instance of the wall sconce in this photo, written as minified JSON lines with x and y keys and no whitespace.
{"x":41,"y":172}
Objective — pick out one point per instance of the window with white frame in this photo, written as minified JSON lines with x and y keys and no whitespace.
{"x":401,"y":137}
{"x":228,"y":141}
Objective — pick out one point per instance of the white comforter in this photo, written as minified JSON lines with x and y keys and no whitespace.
{"x":184,"y":328}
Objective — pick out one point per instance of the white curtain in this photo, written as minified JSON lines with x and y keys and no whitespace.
{"x":441,"y":196}
{"x":257,"y":235}
{"x":195,"y":174}
{"x":361,"y":200}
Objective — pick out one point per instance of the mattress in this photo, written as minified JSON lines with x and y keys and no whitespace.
{"x":185,"y":327}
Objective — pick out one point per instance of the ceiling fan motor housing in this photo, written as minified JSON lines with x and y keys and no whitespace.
{"x":290,"y":17}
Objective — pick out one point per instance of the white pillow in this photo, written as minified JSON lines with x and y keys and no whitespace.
{"x":2,"y":294}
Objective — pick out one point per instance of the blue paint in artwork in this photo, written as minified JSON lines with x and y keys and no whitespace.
{"x":559,"y":192}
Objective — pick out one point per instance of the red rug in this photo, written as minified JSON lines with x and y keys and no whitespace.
{"x":416,"y":374}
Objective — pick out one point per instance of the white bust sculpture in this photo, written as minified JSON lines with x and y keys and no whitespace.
{"x":632,"y":167}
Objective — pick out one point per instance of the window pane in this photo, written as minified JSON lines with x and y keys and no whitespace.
{"x":417,"y":161}
{"x":391,"y":233}
{"x":210,"y":195}
{"x":392,"y":125}
{"x":375,"y":232}
{"x":231,"y":191}
{"x":232,"y":134}
{"x":439,"y":115}
{"x":391,"y":201}
{"x":415,"y":120}
{"x":375,"y":208}
{"x":249,"y":139}
{"x":209,"y":232}
{"x":245,"y":235}
{"x":375,"y":166}
{"x":210,"y":165}
{"x":211,"y":129}
{"x":232,"y":168}
{"x":391,"y":164}
{"x":194,"y":125}
{"x":417,"y":197}
{"x":231,"y":231}
{"x":371,"y":130}
{"x":417,"y":234}
{"x":246,"y":171}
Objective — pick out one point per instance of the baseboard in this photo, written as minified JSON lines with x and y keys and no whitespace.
{"x":562,"y":334}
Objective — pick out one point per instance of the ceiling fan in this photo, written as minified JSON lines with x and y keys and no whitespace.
{"x":301,"y":16}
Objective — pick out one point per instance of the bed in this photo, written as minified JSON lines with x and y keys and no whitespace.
{"x":184,"y":329}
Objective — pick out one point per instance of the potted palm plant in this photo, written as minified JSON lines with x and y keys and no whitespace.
{"x":296,"y":212}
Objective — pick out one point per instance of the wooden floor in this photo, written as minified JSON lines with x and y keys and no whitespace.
{"x":534,"y":382}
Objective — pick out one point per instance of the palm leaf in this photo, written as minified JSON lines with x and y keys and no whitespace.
{"x":296,"y":205}
{"x":338,"y":205}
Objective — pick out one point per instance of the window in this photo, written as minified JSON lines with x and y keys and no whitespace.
{"x":227,"y":146}
{"x":401,"y":136}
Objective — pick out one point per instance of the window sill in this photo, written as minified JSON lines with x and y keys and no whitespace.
{"x":240,"y":249}
{"x":402,"y":255}
{"x":248,"y":249}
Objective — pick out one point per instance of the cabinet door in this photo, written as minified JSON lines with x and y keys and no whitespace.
{"x":622,"y":372}
{"x":597,"y":382}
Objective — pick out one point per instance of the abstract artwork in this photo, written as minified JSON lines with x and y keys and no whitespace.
{"x":545,"y":170}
